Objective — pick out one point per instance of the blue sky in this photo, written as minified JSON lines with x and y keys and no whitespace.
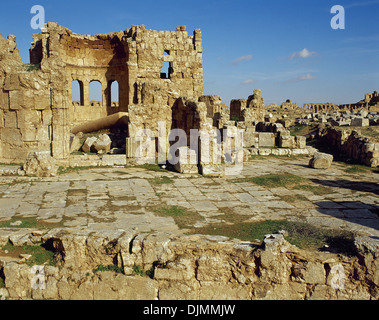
{"x":286,"y":48}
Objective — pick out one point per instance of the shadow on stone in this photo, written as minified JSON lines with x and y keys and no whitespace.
{"x":352,"y":185}
{"x":356,"y":212}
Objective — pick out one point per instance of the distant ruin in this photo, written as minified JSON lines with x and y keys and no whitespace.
{"x":369,"y":103}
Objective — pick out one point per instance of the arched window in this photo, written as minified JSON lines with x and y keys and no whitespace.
{"x":77,"y":96}
{"x":114,"y":94}
{"x":95,"y":93}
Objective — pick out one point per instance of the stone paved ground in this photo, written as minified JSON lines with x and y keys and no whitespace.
{"x":125,"y":198}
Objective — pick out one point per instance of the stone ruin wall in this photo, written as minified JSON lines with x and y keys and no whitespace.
{"x":134,"y":59}
{"x":352,"y":145}
{"x":152,"y":98}
{"x":34,"y":107}
{"x":252,"y":109}
{"x":188,"y":267}
{"x":37,"y":112}
{"x":87,"y":58}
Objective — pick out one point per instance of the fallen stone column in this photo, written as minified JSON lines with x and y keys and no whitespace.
{"x":120,"y":118}
{"x":321,"y":161}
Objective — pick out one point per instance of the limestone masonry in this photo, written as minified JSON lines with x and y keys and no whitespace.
{"x":36,"y":108}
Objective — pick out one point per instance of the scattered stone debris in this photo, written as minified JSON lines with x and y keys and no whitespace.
{"x":40,"y":164}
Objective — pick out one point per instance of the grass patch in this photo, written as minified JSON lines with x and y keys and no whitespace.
{"x":25,"y":223}
{"x":110,"y":267}
{"x":274,"y":180}
{"x":289,"y":181}
{"x":28,"y":223}
{"x":32,"y":67}
{"x":230,"y":216}
{"x":161,"y":180}
{"x":315,"y":189}
{"x":357,"y":168}
{"x":11,"y":164}
{"x":182,"y":217}
{"x":298,"y":129}
{"x":293,"y":198}
{"x":151,"y":167}
{"x":369,"y":131}
{"x":139,"y":270}
{"x":303,"y":130}
{"x":40,"y":254}
{"x":300,"y":234}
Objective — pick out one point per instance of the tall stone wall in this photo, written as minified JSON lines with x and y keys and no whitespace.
{"x":149,"y":49}
{"x":34,"y":106}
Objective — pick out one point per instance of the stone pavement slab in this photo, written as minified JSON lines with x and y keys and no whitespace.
{"x":127,"y":197}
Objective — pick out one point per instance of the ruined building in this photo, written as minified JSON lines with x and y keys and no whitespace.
{"x":37,"y":112}
{"x":159,"y":77}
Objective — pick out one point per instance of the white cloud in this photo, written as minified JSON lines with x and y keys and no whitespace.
{"x":248,"y":81}
{"x":307,"y":76}
{"x":303,"y":77}
{"x":303,"y":54}
{"x":242,"y":58}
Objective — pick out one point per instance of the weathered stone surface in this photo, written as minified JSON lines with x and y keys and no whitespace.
{"x":287,"y":142}
{"x":266,"y":139}
{"x":187,"y":161}
{"x":75,"y":144}
{"x":87,"y":146}
{"x":40,"y":164}
{"x":360,"y":122}
{"x":189,"y":267}
{"x":352,"y":144}
{"x":321,"y":161}
{"x":102,"y":144}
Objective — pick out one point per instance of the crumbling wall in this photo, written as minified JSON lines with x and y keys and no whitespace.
{"x":153,"y":93}
{"x":34,"y":106}
{"x":252,"y":109}
{"x":37,"y":111}
{"x":101,"y":58}
{"x":189,"y":267}
{"x":289,"y":105}
{"x":134,"y":58}
{"x":352,"y":145}
{"x":148,"y":49}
